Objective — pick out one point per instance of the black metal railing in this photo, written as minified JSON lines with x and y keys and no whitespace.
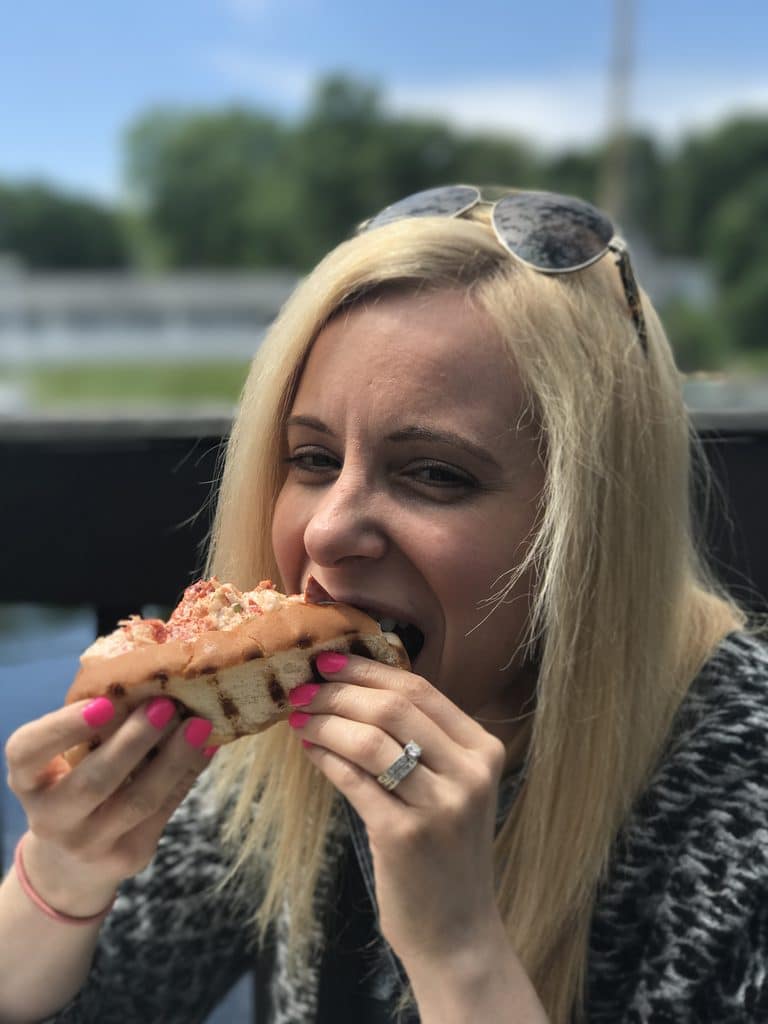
{"x":114,"y":514}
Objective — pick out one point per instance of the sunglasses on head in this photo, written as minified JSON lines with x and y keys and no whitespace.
{"x":550,"y":233}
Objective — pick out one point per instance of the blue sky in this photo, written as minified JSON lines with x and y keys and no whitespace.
{"x":74,"y":74}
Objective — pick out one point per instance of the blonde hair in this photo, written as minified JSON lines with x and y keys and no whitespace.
{"x":624,"y":612}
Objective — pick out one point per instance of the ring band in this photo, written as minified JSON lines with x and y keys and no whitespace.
{"x":400,"y":768}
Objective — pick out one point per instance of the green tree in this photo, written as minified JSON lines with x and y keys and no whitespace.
{"x":197,"y":178}
{"x":353,"y":159}
{"x":698,"y":337}
{"x":574,"y":172}
{"x":48,"y":229}
{"x":736,"y":241}
{"x":744,"y":306}
{"x":709,"y":167}
{"x":236,"y":188}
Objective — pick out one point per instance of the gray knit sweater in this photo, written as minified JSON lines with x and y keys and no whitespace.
{"x":680,"y":931}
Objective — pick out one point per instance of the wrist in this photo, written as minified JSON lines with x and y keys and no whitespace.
{"x":65,"y":885}
{"x":481,"y":980}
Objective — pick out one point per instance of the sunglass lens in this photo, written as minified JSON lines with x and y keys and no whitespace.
{"x":551,"y":232}
{"x":447,"y":201}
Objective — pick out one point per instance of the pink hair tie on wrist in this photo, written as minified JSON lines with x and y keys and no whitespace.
{"x":38,"y":900}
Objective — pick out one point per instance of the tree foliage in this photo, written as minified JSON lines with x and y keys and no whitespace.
{"x":236,"y":188}
{"x":46,"y":229}
{"x":708,"y":168}
{"x":197,"y":177}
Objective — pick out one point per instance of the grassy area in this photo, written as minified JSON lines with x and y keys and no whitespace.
{"x":129,"y":382}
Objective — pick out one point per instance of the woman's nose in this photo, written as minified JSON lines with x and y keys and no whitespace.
{"x":345,"y":524}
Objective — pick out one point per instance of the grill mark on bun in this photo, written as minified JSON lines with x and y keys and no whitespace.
{"x":276,"y":692}
{"x":162,"y":678}
{"x":228,"y":707}
{"x":115,"y":690}
{"x":252,"y":652}
{"x":316,"y":677}
{"x":304,"y":641}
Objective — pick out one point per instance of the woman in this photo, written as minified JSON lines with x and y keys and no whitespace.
{"x":467,"y":420}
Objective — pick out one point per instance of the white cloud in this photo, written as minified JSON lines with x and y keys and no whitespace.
{"x":574,"y":109}
{"x":552,"y":112}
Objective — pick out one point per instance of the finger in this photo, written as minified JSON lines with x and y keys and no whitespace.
{"x":435,"y":705}
{"x":33,"y":752}
{"x":369,"y":749}
{"x":392,"y":713}
{"x":371,"y":801}
{"x":103,"y":771}
{"x":156,"y":790}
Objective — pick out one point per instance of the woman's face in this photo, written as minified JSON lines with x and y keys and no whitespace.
{"x":412,"y":484}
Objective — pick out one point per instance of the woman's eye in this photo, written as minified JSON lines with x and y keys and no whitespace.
{"x":314,"y":460}
{"x":439,"y":474}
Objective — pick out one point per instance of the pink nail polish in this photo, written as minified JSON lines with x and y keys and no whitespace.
{"x":99,"y":712}
{"x":160,"y":712}
{"x":298,"y":719}
{"x":302,"y":695}
{"x":306,"y":743}
{"x":331,"y":661}
{"x":197,"y":731}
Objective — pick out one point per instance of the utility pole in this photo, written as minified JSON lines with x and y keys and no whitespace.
{"x":615,"y":170}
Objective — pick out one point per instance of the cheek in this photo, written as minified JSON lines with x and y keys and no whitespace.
{"x":287,"y":537}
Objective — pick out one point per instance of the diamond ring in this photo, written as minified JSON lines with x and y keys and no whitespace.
{"x":401,"y":767}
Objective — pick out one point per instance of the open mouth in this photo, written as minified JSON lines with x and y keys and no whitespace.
{"x":410,"y":636}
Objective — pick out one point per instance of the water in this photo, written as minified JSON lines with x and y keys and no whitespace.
{"x":39,"y":652}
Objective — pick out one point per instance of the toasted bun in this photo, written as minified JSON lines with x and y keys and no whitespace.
{"x":237,"y":677}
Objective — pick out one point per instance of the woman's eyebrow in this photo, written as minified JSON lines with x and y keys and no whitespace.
{"x":309,"y":421}
{"x":449,"y":437}
{"x":412,"y":433}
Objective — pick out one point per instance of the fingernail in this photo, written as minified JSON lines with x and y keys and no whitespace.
{"x":100,"y":711}
{"x":197,"y":731}
{"x":331,"y":661}
{"x":306,"y":743}
{"x":298,"y":719}
{"x":160,"y":711}
{"x":209,"y":751}
{"x":302,"y":695}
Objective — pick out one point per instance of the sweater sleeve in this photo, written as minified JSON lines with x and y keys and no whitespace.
{"x":170,"y":950}
{"x":680,"y":932}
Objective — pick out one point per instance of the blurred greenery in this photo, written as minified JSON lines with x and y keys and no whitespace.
{"x":87,"y":382}
{"x":240,"y":188}
{"x":700,"y":340}
{"x":47,"y":229}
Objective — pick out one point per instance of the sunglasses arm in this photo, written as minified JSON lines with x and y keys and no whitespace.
{"x":618,"y":246}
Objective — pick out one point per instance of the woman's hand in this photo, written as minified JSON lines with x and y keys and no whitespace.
{"x":98,"y":823}
{"x":432,"y":837}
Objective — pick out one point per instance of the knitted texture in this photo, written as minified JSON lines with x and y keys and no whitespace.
{"x":680,"y":931}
